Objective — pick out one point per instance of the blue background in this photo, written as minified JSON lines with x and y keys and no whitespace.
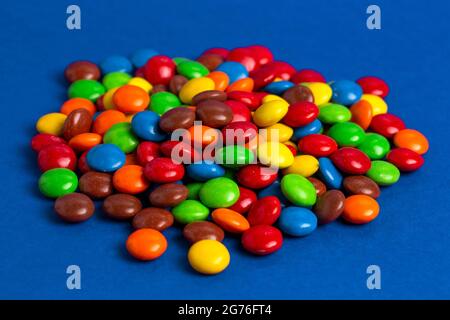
{"x":410,"y":238}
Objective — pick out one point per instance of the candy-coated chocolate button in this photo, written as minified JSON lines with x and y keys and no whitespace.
{"x":322,"y":92}
{"x":230,"y":220}
{"x":153,"y":218}
{"x":51,"y":123}
{"x":74,"y":207}
{"x":275,"y":154}
{"x":256,"y":177}
{"x":360,"y":209}
{"x":189,"y":211}
{"x":383,"y":173}
{"x":361,"y":185}
{"x":351,"y":160}
{"x":265,"y":210}
{"x":202,"y":230}
{"x":304,"y":165}
{"x":121,"y":206}
{"x":411,"y":139}
{"x":379,"y":106}
{"x":262,"y":240}
{"x":405,"y":159}
{"x":208,"y":257}
{"x":219,"y":193}
{"x":297,"y":222}
{"x":195,"y":86}
{"x":146,"y":244}
{"x":96,"y":184}
{"x":105,"y":158}
{"x":130,"y":179}
{"x":329,"y":206}
{"x":58,"y":182}
{"x":299,"y":190}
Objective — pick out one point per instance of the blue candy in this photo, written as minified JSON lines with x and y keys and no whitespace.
{"x":331,"y":176}
{"x":140,"y":57}
{"x":311,"y":128}
{"x":234,"y":70}
{"x":205,"y":170}
{"x":105,"y":158}
{"x":297,"y":221}
{"x":278,"y":87}
{"x":145,"y":125}
{"x":274,"y":190}
{"x":346,"y":92}
{"x":116,"y":64}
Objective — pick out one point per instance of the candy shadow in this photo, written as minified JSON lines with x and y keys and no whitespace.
{"x":58,"y":78}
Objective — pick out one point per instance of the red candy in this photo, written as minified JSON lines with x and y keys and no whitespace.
{"x":42,"y":140}
{"x":351,"y":160}
{"x":300,"y":114}
{"x":57,"y":156}
{"x":159,"y":70}
{"x":405,"y":159}
{"x":262,"y":240}
{"x":262,"y":54}
{"x":163,"y":170}
{"x":146,"y":152}
{"x":318,"y":145}
{"x":307,"y":75}
{"x":264,"y":211}
{"x":387,"y":124}
{"x":246,"y":199}
{"x":241,"y":131}
{"x":292,"y":149}
{"x":245,"y":56}
{"x":256,"y":177}
{"x":251,"y":100}
{"x":82,"y":163}
{"x":185,"y":150}
{"x":374,"y":85}
{"x":240,"y":111}
{"x":220,"y":51}
{"x":263,"y":76}
{"x":282,"y":69}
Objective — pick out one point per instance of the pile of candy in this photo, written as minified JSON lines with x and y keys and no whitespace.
{"x":231,"y":142}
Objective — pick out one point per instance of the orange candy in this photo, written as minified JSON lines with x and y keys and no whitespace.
{"x":130,"y":179}
{"x":362,"y":113}
{"x":202,"y":135}
{"x":411,"y":139}
{"x":106,"y":120}
{"x":131,"y":99}
{"x":85,"y":141}
{"x":360,"y":209}
{"x":78,"y":103}
{"x":245,"y":84}
{"x":146,"y":244}
{"x":230,"y":220}
{"x":220,"y":79}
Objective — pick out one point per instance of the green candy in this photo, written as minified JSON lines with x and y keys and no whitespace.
{"x":163,"y":101}
{"x":347,"y":134}
{"x":193,"y":190}
{"x":190,"y":211}
{"x":57,"y":182}
{"x":375,"y":146}
{"x":192,"y":69}
{"x":115,"y":79}
{"x":122,"y":136}
{"x":332,"y":113}
{"x":178,"y":60}
{"x":383,"y":173}
{"x":219,"y":193}
{"x":298,"y":190}
{"x":234,"y":156}
{"x":88,"y":89}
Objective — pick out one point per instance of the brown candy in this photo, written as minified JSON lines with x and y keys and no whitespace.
{"x":177,"y":118}
{"x":321,"y":188}
{"x":154,"y":218}
{"x":121,"y":206}
{"x":176,"y":83}
{"x":74,"y":207}
{"x":158,"y":88}
{"x":79,"y":70}
{"x":361,"y":185}
{"x":77,"y":122}
{"x":214,"y":114}
{"x":96,"y":184}
{"x":298,"y":93}
{"x":329,"y":206}
{"x":209,"y":95}
{"x":211,"y":61}
{"x":202,"y":230}
{"x":168,"y":195}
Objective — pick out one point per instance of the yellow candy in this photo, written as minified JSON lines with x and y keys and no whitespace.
{"x":141,"y":83}
{"x":321,"y":91}
{"x":51,"y":123}
{"x":272,"y":97}
{"x":270,"y":113}
{"x":194,"y":87}
{"x":108,"y":99}
{"x":275,"y":154}
{"x":304,"y":165}
{"x":379,"y":106}
{"x":279,"y":132}
{"x":208,"y":256}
